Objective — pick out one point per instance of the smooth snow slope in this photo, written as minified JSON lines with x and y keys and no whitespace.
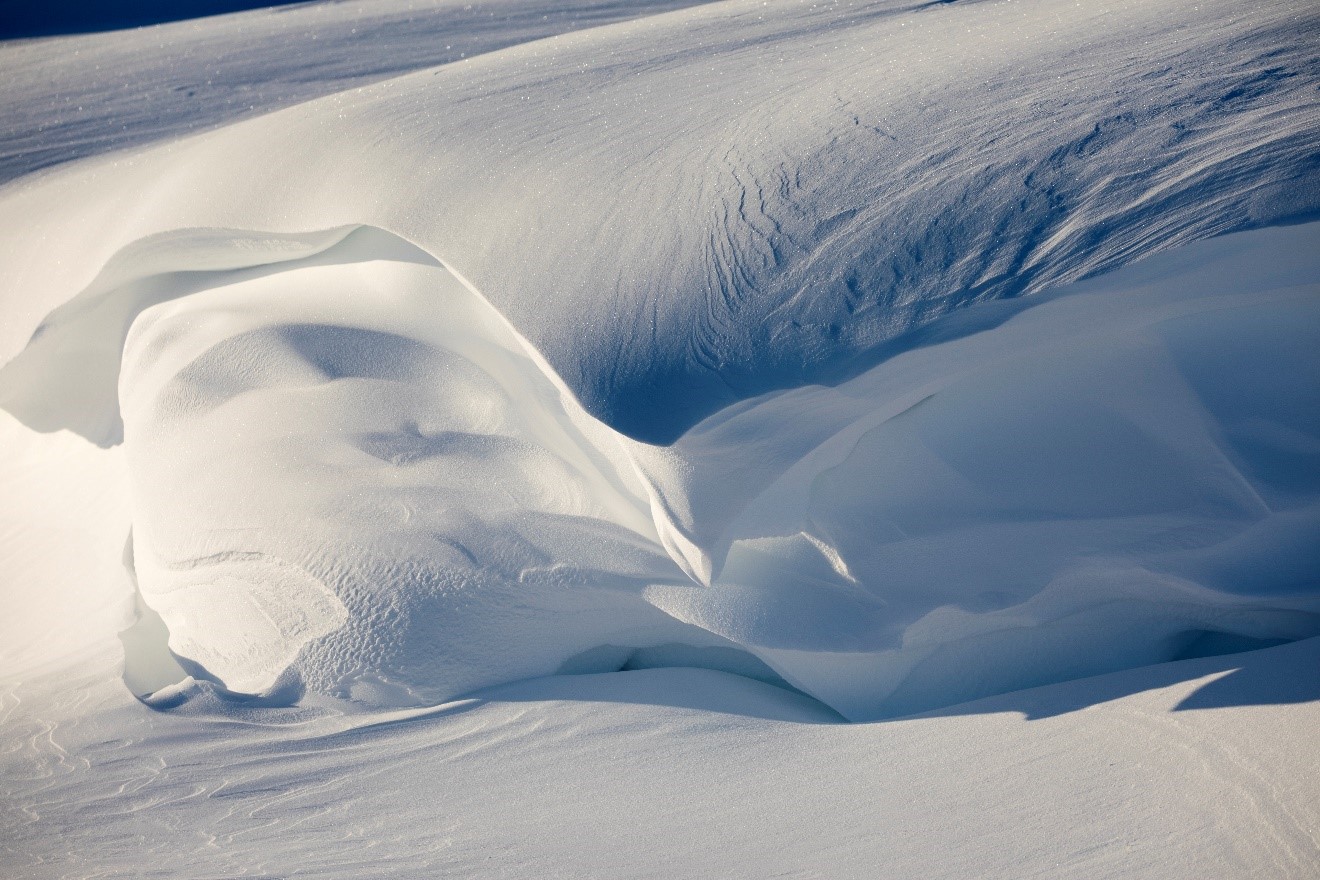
{"x":689,"y":209}
{"x":78,"y":96}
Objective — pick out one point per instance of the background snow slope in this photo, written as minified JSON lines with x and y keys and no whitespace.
{"x":78,"y":96}
{"x":690,"y":209}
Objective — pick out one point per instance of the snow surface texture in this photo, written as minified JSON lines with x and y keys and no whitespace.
{"x":690,"y":209}
{"x":353,"y":463}
{"x":1200,"y":768}
{"x":75,"y":97}
{"x":392,"y":367}
{"x":1174,"y":771}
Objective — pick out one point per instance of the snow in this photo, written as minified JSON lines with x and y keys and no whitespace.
{"x":523,"y":456}
{"x":1194,"y":769}
{"x":79,"y":96}
{"x":698,"y":190}
{"x":349,"y":468}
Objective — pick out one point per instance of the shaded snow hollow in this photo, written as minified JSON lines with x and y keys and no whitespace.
{"x":702,"y":340}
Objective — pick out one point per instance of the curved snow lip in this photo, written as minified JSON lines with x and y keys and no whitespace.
{"x":67,"y":377}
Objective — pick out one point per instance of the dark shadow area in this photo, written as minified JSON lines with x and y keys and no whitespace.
{"x":1260,"y":683}
{"x":601,"y":674}
{"x":51,"y":19}
{"x":701,"y":690}
{"x":149,"y":664}
{"x":721,"y":658}
{"x":1280,"y":675}
{"x":705,"y":690}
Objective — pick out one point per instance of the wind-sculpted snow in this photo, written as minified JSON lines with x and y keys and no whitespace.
{"x":703,"y":339}
{"x":352,"y":475}
{"x":1121,"y":474}
{"x":364,"y":448}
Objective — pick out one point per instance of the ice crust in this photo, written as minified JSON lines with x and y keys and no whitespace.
{"x":654,"y":338}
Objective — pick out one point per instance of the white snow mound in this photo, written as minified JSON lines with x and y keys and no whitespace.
{"x":350,"y":472}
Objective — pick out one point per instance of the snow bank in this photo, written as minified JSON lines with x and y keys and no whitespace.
{"x":1118,"y":475}
{"x":512,"y":366}
{"x":351,"y":474}
{"x":357,"y":447}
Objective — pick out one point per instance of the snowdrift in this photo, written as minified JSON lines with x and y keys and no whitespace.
{"x":654,"y":345}
{"x":351,"y":474}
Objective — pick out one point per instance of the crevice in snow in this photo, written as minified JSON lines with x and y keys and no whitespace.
{"x":149,"y":664}
{"x":674,"y":655}
{"x":1196,"y":644}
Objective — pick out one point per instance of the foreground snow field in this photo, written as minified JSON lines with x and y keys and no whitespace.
{"x":526,"y":465}
{"x":1170,"y":771}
